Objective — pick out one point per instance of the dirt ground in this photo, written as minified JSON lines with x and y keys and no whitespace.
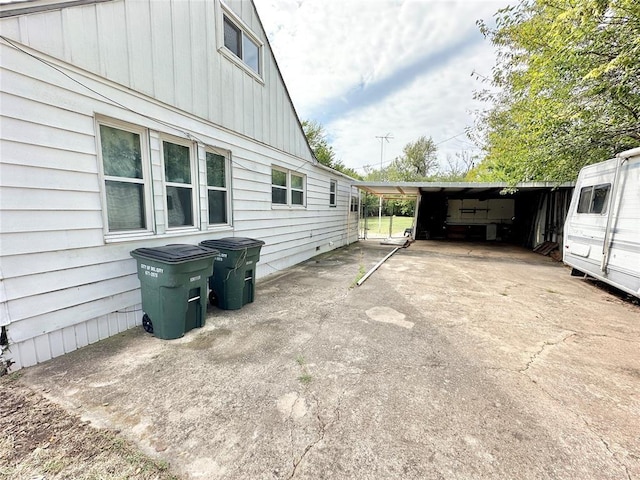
{"x":42,"y":441}
{"x":451,"y":361}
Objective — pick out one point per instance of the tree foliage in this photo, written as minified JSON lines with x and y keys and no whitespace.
{"x":565,"y":91}
{"x":418,"y":161}
{"x":323,"y":151}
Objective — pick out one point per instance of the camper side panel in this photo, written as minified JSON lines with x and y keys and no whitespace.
{"x":592,"y":229}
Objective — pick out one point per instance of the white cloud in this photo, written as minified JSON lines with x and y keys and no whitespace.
{"x":327,"y":50}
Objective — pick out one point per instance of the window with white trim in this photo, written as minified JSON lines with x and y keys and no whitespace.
{"x":287,"y":187}
{"x":354,"y":203}
{"x":333,"y":189}
{"x":242,"y":43}
{"x":297,"y":189}
{"x":127,"y":162}
{"x":179,"y":184}
{"x":217,"y":193}
{"x":123,"y":155}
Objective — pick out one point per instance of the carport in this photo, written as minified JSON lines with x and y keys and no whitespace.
{"x":526,"y":214}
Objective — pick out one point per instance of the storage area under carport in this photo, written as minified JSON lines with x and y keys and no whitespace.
{"x":526,"y":214}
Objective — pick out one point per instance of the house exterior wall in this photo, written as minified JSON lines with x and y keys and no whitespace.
{"x":65,"y":281}
{"x":172,"y":50}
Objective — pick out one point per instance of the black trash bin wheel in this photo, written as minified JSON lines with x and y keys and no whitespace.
{"x":213,"y":299}
{"x":146,"y":324}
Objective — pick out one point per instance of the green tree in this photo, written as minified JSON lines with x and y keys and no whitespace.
{"x":565,"y":91}
{"x":457,"y":167}
{"x":317,"y":139}
{"x":418,"y":161}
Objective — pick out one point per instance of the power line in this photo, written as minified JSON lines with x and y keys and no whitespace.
{"x":367,"y":166}
{"x":188,"y":135}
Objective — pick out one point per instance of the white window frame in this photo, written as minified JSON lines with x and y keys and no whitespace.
{"x":146,"y":180}
{"x":289,"y":189}
{"x":226,"y":188}
{"x":303,"y":189}
{"x":194,"y":185}
{"x":245,"y":31}
{"x":285,"y":188}
{"x":333,"y":192}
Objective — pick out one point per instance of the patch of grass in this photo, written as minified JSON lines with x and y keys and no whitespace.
{"x":361,"y":273}
{"x":54,"y":466}
{"x":14,"y":376}
{"x":398,"y":225}
{"x":305,"y":378}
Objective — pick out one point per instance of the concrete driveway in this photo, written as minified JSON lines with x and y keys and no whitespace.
{"x":453,"y":360}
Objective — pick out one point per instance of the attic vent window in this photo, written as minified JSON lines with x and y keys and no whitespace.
{"x":241,"y":44}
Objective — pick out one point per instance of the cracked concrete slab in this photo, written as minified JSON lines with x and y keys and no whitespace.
{"x":510,"y":369}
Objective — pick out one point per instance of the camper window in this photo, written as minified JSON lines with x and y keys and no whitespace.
{"x":593,"y":199}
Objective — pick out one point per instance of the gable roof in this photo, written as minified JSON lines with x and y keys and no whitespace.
{"x":137,"y":53}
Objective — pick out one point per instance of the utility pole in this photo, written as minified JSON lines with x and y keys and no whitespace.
{"x":382,"y":140}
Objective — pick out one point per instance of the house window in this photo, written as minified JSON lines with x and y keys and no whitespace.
{"x":217,"y":188}
{"x":297,"y":190}
{"x":242,"y":44}
{"x":354,"y":203}
{"x":278,"y":187}
{"x":124,"y":179}
{"x":179,"y":184}
{"x":593,"y":199}
{"x":333,"y":188}
{"x":287,"y":188}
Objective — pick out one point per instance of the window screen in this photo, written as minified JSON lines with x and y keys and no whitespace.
{"x":297,"y":190}
{"x":278,"y":187}
{"x":179,"y":191}
{"x":124,"y":183}
{"x":232,"y":37}
{"x":332,"y":193}
{"x":216,"y":188}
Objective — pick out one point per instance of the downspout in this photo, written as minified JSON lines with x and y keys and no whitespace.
{"x":608,"y":237}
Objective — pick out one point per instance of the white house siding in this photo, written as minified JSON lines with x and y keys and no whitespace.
{"x":62,"y":284}
{"x":169,"y":50}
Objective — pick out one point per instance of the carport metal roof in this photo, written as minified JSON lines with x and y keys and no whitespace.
{"x":395,"y":189}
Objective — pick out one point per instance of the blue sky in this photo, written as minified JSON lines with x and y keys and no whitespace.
{"x":366,"y":69}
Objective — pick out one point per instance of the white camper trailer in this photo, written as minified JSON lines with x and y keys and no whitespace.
{"x":602,"y":230}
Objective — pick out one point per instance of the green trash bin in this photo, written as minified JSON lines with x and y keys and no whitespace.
{"x":173,"y":280}
{"x":233,"y":281}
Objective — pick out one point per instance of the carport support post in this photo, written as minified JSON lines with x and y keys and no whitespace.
{"x":380,"y":215}
{"x":415,"y":216}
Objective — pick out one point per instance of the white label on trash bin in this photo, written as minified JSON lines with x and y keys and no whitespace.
{"x":151,"y":271}
{"x":249,"y":262}
{"x":195,"y":279}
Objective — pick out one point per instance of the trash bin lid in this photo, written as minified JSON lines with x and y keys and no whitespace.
{"x":233,"y":243}
{"x":176,"y":253}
